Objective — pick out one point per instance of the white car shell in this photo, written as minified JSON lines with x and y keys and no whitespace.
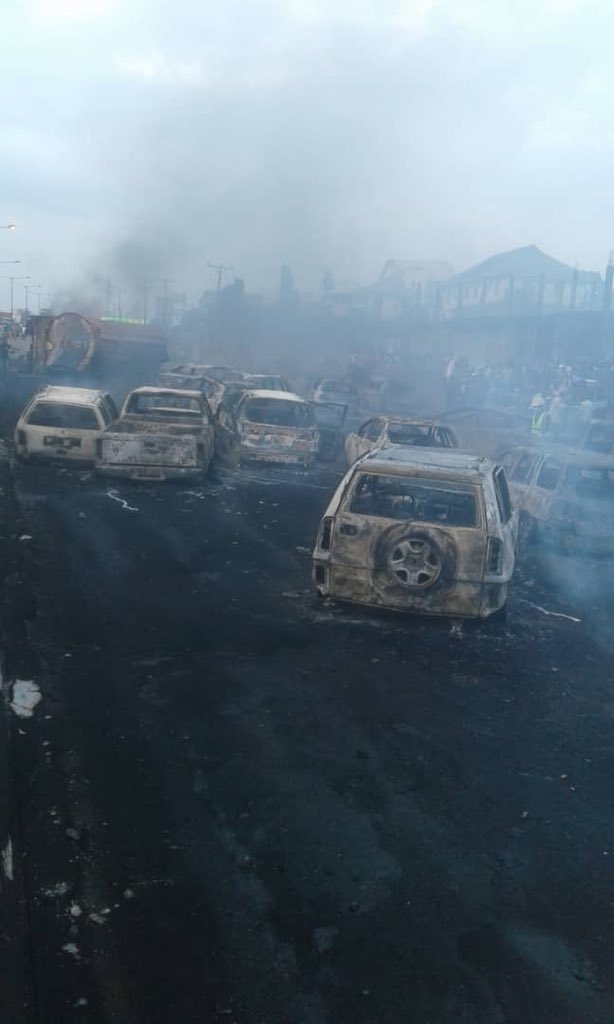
{"x":384,"y":430}
{"x":63,"y":424}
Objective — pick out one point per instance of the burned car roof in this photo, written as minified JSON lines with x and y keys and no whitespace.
{"x":72,"y":396}
{"x":441,"y":460}
{"x":184,"y":393}
{"x":282,"y":396}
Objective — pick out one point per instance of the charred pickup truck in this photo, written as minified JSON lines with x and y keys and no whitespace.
{"x":161,"y":434}
{"x":428,"y":531}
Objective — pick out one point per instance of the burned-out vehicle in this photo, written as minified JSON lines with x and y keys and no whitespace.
{"x":180,"y":375}
{"x":211,"y":381}
{"x":487,"y":431}
{"x":429,"y":531}
{"x":63,"y":424}
{"x":267,"y":381}
{"x":384,"y":430}
{"x":268,"y":426}
{"x":565,"y":497}
{"x":161,"y":434}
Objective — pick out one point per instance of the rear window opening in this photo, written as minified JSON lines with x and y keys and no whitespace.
{"x":278,"y":413}
{"x":68,"y":417}
{"x":403,"y":498}
{"x":406,"y":433}
{"x":165,"y":405}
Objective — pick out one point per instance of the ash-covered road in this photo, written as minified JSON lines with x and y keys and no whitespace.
{"x":237,"y":804}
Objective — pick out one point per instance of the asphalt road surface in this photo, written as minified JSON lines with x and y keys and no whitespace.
{"x":238,"y":804}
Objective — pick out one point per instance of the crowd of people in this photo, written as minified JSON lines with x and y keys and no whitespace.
{"x":560,"y":399}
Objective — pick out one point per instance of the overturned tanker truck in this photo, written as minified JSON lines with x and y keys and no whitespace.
{"x":73,"y":345}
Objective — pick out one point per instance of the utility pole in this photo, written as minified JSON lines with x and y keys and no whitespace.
{"x":165,"y":282}
{"x":220,"y":268}
{"x":31,"y":288}
{"x":12,"y":280}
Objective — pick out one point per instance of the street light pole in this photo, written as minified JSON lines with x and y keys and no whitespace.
{"x":30,"y":288}
{"x":26,"y":277}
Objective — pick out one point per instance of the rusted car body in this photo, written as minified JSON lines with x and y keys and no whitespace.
{"x":384,"y":430}
{"x":428,"y":531}
{"x":565,"y":496}
{"x":161,"y":434}
{"x":268,"y":426}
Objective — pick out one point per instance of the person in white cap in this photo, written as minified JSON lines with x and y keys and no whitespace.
{"x":540,"y":420}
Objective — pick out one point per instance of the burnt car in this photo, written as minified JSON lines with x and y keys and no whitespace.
{"x":565,"y":497}
{"x":161,"y":434}
{"x":268,"y":426}
{"x":428,"y":531}
{"x":487,"y":431}
{"x":267,"y":381}
{"x":211,"y":381}
{"x":385,"y":430}
{"x":179,"y":375}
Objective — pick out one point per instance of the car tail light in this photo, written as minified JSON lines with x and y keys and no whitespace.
{"x":495,"y":555}
{"x":320,"y":574}
{"x":21,"y":437}
{"x":327,"y":530}
{"x":99,"y":448}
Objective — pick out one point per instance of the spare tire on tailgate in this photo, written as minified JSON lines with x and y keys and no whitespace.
{"x":414,"y":559}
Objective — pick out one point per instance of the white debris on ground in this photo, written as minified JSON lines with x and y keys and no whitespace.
{"x":556,"y":615}
{"x":7,"y":860}
{"x":71,"y":948}
{"x":26,"y":695}
{"x":124,"y":504}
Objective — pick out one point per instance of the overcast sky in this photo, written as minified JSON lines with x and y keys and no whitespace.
{"x":148,"y":137}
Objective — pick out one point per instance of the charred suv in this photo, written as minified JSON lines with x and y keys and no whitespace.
{"x":268,"y":426}
{"x":565,"y":497}
{"x":162,"y":433}
{"x":429,"y":531}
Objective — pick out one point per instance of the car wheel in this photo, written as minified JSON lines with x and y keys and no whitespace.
{"x":414,"y":559}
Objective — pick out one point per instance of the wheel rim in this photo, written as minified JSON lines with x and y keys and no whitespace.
{"x":415,"y":562}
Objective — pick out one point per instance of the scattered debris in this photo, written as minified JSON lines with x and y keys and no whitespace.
{"x":128,"y":894}
{"x":26,"y":695}
{"x":25,"y":536}
{"x":73,"y":833}
{"x":75,"y":910}
{"x":524,"y":815}
{"x":124,"y":504}
{"x":60,"y":889}
{"x":7,"y":860}
{"x":82,"y":1001}
{"x":556,"y":615}
{"x":71,"y":949}
{"x":97,"y":918}
{"x":456,"y":629}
